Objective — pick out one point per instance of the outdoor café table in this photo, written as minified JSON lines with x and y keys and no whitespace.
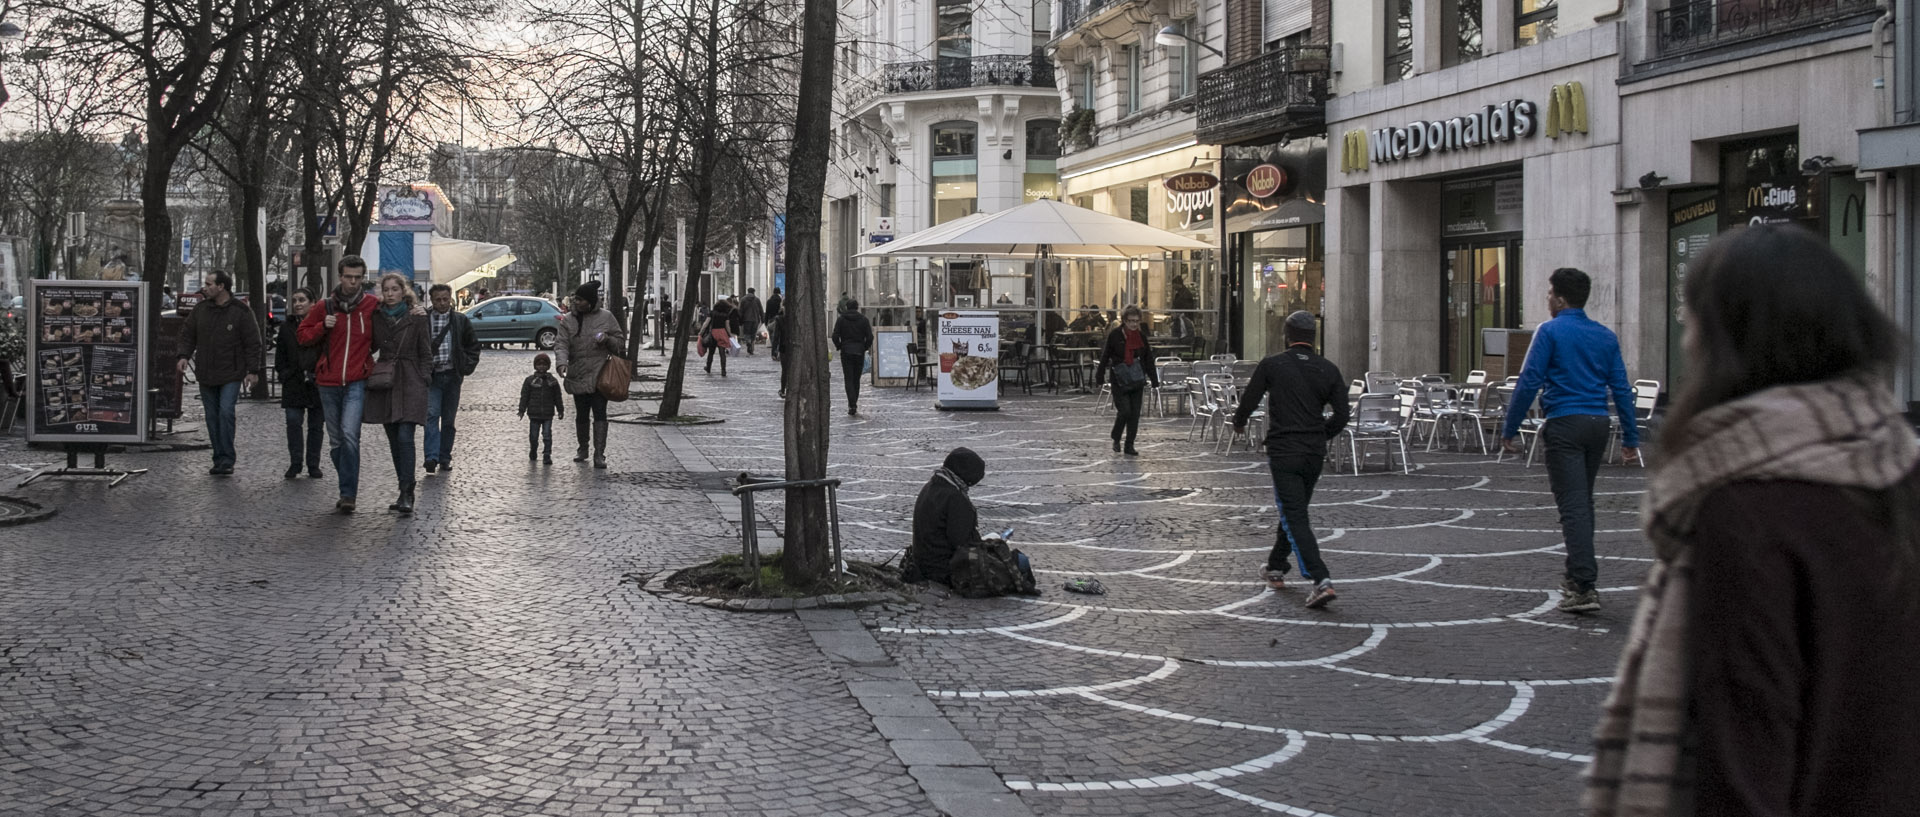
{"x":1083,"y":357}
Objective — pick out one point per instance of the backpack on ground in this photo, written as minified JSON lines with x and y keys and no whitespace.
{"x":989,"y":568}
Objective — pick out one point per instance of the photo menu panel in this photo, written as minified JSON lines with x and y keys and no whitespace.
{"x":86,"y":353}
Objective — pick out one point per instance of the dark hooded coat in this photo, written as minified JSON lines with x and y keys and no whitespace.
{"x":944,"y":520}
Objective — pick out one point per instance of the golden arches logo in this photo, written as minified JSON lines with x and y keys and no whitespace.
{"x":1566,"y":110}
{"x":1353,"y":151}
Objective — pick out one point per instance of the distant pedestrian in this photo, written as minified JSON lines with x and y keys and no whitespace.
{"x":343,"y":326}
{"x":852,"y":336}
{"x":588,"y":337}
{"x":775,"y":306}
{"x":1130,"y":361}
{"x":299,"y":396}
{"x":223,"y":341}
{"x":751,"y":314}
{"x":1771,"y":668}
{"x":400,"y":335}
{"x":456,"y":352}
{"x":1577,"y":363}
{"x":1301,"y":387}
{"x":716,"y":336}
{"x":540,"y":402}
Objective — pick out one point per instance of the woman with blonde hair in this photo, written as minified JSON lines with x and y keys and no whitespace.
{"x":1771,"y":667}
{"x":397,"y":388}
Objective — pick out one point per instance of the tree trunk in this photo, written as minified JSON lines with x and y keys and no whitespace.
{"x":809,"y":411}
{"x":158,"y":225}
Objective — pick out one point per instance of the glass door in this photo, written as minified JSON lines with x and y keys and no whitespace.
{"x":1480,"y":289}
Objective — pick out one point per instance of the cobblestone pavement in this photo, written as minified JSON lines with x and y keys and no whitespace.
{"x":189,"y":645}
{"x":184,"y":644}
{"x":1441,"y":682}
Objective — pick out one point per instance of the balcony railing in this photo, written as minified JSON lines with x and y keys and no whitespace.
{"x":1074,"y":12}
{"x":949,"y":73}
{"x":1700,"y":24}
{"x":1278,"y":93}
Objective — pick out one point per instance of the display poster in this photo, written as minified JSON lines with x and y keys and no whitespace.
{"x":891,"y":360}
{"x":84,"y":346}
{"x":969,"y":348}
{"x":1692,"y":221}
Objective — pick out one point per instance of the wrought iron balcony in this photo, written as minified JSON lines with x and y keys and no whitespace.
{"x":1279,"y":93}
{"x":1075,"y":12}
{"x":949,"y":73}
{"x":1686,"y":27}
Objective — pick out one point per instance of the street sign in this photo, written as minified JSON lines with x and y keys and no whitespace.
{"x":76,"y":228}
{"x":882,"y":230}
{"x":186,"y":249}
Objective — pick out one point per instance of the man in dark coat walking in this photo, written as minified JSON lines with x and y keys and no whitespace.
{"x":852,"y":336}
{"x":223,"y":341}
{"x":774,"y":307}
{"x":751,"y":314}
{"x":456,"y":352}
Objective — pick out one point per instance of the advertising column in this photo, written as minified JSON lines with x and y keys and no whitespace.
{"x":969,"y":347}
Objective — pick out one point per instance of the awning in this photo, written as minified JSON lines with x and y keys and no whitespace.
{"x":457,"y":263}
{"x":1289,"y":213}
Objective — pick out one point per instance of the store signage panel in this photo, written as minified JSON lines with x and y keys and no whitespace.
{"x":1505,"y":122}
{"x":891,"y":360}
{"x":1265,"y":180}
{"x":969,"y":347}
{"x":1482,"y":206}
{"x":85,"y":342}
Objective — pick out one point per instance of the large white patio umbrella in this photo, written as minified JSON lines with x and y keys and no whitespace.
{"x":1044,"y":229}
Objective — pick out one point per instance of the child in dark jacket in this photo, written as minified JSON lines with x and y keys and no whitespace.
{"x":540,"y":402}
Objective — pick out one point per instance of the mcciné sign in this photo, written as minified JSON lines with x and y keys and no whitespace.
{"x":1505,"y":122}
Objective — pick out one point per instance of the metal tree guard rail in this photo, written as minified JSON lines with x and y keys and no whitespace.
{"x":750,"y":531}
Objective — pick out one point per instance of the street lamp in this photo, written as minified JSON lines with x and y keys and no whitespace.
{"x":1174,"y":37}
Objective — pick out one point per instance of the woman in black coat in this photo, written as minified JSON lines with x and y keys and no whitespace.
{"x":299,"y":395}
{"x":1129,"y":359}
{"x":717,"y":335}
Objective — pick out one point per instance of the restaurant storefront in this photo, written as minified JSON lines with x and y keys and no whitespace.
{"x":1274,"y":228}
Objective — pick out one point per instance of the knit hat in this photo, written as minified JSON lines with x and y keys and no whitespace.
{"x":966,"y":465}
{"x":1301,"y":327}
{"x":589,"y":292}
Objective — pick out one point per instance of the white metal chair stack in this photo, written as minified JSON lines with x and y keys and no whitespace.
{"x":1201,"y":405}
{"x":1376,"y":419}
{"x":1381,"y":382}
{"x":1229,"y":405}
{"x":1173,"y":383}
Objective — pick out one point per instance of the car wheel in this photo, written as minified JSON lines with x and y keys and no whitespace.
{"x":545,"y":339}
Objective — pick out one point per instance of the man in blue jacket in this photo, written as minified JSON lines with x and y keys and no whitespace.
{"x":1574,"y":365}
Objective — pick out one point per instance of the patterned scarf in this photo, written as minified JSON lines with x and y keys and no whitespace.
{"x":1842,"y":432}
{"x":947,"y":474}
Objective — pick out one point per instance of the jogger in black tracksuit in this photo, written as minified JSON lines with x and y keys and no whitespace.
{"x":1302,"y":385}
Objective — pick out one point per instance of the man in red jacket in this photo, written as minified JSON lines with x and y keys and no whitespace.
{"x":344,"y":323}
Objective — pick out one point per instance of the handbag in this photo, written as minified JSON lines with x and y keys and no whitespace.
{"x":381,"y":377}
{"x":1129,"y":377}
{"x":616,"y":377}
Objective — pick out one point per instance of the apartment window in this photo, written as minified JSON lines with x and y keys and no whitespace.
{"x":1042,"y":177}
{"x":1183,"y":63}
{"x":1536,"y":21}
{"x":1282,"y":18}
{"x":1399,"y":45}
{"x":954,"y":26}
{"x":1135,"y":74}
{"x":886,"y":200}
{"x":1042,"y":23}
{"x":956,"y":169}
{"x":1462,"y":17}
{"x":1089,"y":80}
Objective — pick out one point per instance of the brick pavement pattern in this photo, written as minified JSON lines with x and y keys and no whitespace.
{"x":190,"y":645}
{"x":1441,"y":682}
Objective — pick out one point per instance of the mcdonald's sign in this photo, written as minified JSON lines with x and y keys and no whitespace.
{"x":1353,"y":151}
{"x":1566,"y":110}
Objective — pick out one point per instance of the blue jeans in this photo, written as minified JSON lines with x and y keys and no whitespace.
{"x":218,"y":402}
{"x":304,"y":430}
{"x":538,"y":430}
{"x":400,"y":442}
{"x":344,"y":406}
{"x":443,"y":403}
{"x":1575,"y":445}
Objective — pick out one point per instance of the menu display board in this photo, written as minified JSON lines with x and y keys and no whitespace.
{"x":891,"y":361}
{"x":969,"y":348}
{"x":84,"y":345}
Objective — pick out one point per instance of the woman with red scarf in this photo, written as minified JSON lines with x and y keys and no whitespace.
{"x":1129,"y":360}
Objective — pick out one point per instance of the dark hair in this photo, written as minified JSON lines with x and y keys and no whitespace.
{"x":353,"y":261}
{"x":1771,"y":306}
{"x":1572,"y":285}
{"x":307,"y":291}
{"x":853,"y":305}
{"x":1132,"y":312}
{"x":439,"y":288}
{"x":541,"y":359}
{"x":750,"y":290}
{"x":222,"y":278}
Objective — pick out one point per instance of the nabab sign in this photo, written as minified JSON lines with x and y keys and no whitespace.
{"x":1191,"y":196}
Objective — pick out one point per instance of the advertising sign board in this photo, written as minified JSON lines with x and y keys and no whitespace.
{"x":891,"y":361}
{"x":969,"y":347}
{"x":85,"y":342}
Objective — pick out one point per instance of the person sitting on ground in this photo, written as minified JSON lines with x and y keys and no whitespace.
{"x":947,"y":546}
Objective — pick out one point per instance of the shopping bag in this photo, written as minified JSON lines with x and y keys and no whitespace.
{"x":736,"y":344}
